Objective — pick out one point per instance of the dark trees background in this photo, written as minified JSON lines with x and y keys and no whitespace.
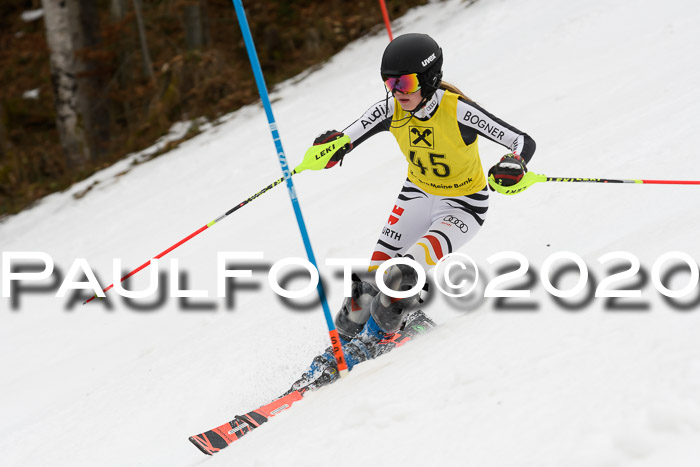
{"x":140,"y":66}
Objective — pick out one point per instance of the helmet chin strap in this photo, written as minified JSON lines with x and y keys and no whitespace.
{"x":412,"y":113}
{"x":408,"y":119}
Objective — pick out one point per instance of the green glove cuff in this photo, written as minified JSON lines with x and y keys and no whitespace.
{"x":529,"y":179}
{"x":317,"y":156}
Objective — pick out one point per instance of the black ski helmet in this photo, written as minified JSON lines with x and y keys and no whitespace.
{"x":414,"y":53}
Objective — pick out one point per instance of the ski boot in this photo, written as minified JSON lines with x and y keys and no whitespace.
{"x":354,"y":311}
{"x":370,"y":343}
{"x":389,"y":312}
{"x":350,"y":320}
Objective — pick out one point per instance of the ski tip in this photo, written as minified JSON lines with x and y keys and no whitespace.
{"x":198,"y":444}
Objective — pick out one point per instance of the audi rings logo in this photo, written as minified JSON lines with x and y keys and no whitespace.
{"x":460,"y":225}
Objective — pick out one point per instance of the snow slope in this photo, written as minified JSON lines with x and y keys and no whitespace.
{"x":606,"y":88}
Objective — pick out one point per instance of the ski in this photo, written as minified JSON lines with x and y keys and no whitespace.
{"x":216,"y":439}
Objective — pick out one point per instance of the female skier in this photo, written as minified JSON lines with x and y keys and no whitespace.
{"x":443,"y":202}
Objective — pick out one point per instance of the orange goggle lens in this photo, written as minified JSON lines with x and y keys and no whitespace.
{"x":407,"y":84}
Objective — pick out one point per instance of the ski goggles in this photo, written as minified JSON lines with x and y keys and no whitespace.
{"x":406,"y":84}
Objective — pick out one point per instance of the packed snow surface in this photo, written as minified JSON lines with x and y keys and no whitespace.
{"x":608,"y":89}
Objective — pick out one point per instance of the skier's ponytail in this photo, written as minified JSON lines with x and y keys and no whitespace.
{"x":454,"y":89}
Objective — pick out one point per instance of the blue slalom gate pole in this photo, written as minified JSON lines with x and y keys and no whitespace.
{"x":262,"y":90}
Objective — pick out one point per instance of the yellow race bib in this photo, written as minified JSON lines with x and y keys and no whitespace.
{"x":438,"y":160}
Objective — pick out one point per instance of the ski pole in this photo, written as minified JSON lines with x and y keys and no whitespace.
{"x":531,"y":178}
{"x":264,"y":97}
{"x":315,"y":158}
{"x":192,"y":235}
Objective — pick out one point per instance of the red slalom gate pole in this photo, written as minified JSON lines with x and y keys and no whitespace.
{"x":387,"y":22}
